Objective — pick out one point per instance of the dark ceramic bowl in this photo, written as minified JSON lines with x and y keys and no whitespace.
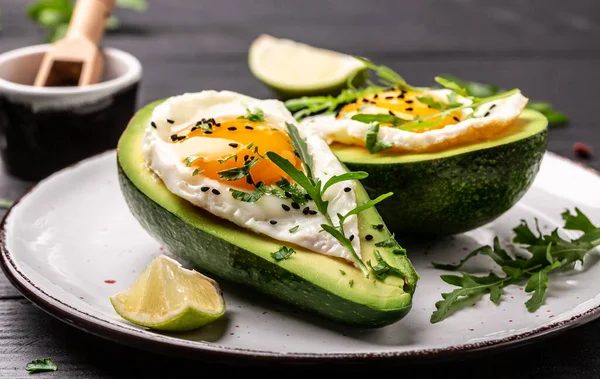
{"x":43,"y":129}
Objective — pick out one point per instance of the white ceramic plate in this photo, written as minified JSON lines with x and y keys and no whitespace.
{"x":71,"y":242}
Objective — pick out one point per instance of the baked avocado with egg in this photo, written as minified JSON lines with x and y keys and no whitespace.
{"x":235,"y":219}
{"x":454,"y":162}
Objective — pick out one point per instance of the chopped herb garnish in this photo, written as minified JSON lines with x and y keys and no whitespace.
{"x":383,"y":269}
{"x":342,"y":272}
{"x":249,"y":146}
{"x":390,"y":242}
{"x":283,"y":253}
{"x":204,"y":126}
{"x":294,"y":229}
{"x":191,"y":159}
{"x":238,"y":172}
{"x":351,"y":283}
{"x":232,"y":156}
{"x":41,"y":365}
{"x":547,"y":253}
{"x":248,"y":197}
{"x":257,"y":116}
{"x":371,"y":143}
{"x":197,"y":172}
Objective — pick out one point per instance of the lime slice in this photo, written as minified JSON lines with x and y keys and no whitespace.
{"x":294,"y":69}
{"x":166,"y":296}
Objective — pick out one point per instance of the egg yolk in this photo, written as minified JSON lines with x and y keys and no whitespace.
{"x":238,"y":144}
{"x":401,"y":104}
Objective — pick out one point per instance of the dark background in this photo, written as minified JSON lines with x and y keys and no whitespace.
{"x":550,"y":49}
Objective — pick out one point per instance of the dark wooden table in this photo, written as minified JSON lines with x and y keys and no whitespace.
{"x":549,"y":49}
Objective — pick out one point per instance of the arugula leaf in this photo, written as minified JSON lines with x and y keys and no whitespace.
{"x":537,"y":283}
{"x":428,"y":100}
{"x":301,"y":148}
{"x":283,"y":253}
{"x":548,"y":252}
{"x":481,"y":90}
{"x":388,"y":77}
{"x":451,"y":85}
{"x":354,"y":175}
{"x":345,"y":241}
{"x":372,"y":144}
{"x":237,"y":173}
{"x":41,"y":365}
{"x":366,"y":205}
{"x":380,"y":118}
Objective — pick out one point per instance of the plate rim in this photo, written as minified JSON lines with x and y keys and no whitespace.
{"x":171,"y":345}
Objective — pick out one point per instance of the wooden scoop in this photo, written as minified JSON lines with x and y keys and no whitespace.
{"x":76,"y":60}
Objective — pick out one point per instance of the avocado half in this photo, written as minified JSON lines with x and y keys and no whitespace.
{"x":316,"y":283}
{"x":456,"y":190}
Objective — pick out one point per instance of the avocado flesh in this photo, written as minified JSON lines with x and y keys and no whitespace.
{"x":455,"y":190}
{"x":219,"y":248}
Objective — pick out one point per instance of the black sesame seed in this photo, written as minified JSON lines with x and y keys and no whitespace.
{"x":153,"y":124}
{"x":246,"y":157}
{"x":408,"y":101}
{"x":492,"y":107}
{"x":351,"y":237}
{"x":218,"y":124}
{"x":368,"y":237}
{"x":312,"y":212}
{"x":174,"y":137}
{"x":456,"y":119}
{"x":307,"y":197}
{"x":208,"y":132}
{"x":232,"y":128}
{"x":295,"y":205}
{"x":376,"y":96}
{"x":288,"y":195}
{"x":285,"y":207}
{"x":365,"y":100}
{"x":216,"y":192}
{"x":347,"y":189}
{"x":391,"y":113}
{"x":204,"y":189}
{"x":170,"y":121}
{"x":260,"y":183}
{"x":180,"y":138}
{"x":380,"y":226}
{"x":249,"y":127}
{"x":373,"y":102}
{"x":486,"y":114}
{"x":389,"y":97}
{"x":306,"y":210}
{"x":429,"y":106}
{"x":194,"y":128}
{"x":409,"y":109}
{"x":401,"y":96}
{"x":273,"y":222}
{"x":234,"y":145}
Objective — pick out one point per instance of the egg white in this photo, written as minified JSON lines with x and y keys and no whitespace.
{"x":164,"y":158}
{"x":502,"y":113}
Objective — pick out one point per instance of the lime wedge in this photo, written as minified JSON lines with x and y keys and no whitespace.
{"x":166,"y":296}
{"x":294,"y":69}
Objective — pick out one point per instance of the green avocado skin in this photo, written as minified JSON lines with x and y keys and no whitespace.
{"x":454,"y":194}
{"x":239,"y":265}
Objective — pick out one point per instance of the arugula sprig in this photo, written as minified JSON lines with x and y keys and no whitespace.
{"x":316,"y":189}
{"x":481,"y":90}
{"x":546,"y":253}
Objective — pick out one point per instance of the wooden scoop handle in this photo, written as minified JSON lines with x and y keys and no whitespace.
{"x":89,"y":19}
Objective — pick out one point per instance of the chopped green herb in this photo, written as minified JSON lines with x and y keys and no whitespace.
{"x":204,"y":126}
{"x":298,"y":195}
{"x":248,"y":197}
{"x":197,"y":172}
{"x":351,"y":283}
{"x":283,"y":253}
{"x":380,"y":118}
{"x":249,"y":146}
{"x":383,"y":269}
{"x":390,"y":242}
{"x":5,"y":203}
{"x":294,"y":229}
{"x":41,"y":365}
{"x":237,"y":173}
{"x":548,"y":252}
{"x":342,"y":272}
{"x":354,"y":175}
{"x":191,"y":159}
{"x":257,"y":116}
{"x":232,"y":156}
{"x":371,"y":143}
